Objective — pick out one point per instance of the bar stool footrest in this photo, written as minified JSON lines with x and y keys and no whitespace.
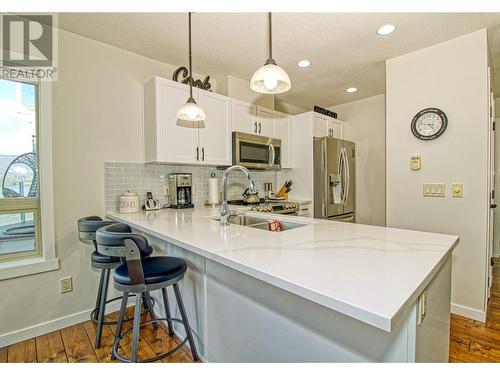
{"x":93,"y":313}
{"x":153,"y":359}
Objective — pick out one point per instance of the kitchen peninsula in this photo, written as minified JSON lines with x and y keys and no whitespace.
{"x":322,"y":291}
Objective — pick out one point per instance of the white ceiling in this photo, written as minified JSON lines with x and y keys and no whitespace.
{"x":343,"y":48}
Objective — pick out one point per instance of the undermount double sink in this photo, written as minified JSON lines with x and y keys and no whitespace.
{"x":259,"y":222}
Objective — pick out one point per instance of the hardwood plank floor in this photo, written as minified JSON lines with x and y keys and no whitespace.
{"x":470,"y":340}
{"x":474,"y":341}
{"x":76,"y":344}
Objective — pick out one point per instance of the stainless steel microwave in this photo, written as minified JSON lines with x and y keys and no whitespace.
{"x":256,"y":152}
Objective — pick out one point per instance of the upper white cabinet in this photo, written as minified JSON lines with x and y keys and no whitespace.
{"x":253,"y":119}
{"x":215,"y":131}
{"x":325,"y":126}
{"x":284,"y":132}
{"x":266,"y":122}
{"x":170,"y":140}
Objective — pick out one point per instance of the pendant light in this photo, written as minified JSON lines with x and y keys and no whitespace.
{"x":270,"y":78}
{"x":191,"y":111}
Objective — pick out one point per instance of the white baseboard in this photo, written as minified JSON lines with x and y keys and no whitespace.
{"x":468,"y":312}
{"x":13,"y":337}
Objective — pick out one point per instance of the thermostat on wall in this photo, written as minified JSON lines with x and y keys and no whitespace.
{"x":415,"y":162}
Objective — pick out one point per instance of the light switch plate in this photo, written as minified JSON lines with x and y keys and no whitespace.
{"x":457,"y":190}
{"x":415,"y":162}
{"x":434,"y":190}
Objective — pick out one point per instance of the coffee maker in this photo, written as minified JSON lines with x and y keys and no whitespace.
{"x":180,"y":187}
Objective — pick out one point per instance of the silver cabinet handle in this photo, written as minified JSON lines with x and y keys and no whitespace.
{"x":197,"y":153}
{"x":260,"y":127}
{"x":255,"y":124}
{"x":203,"y":154}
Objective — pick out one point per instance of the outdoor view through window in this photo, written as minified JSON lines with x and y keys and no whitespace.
{"x":19,"y":201}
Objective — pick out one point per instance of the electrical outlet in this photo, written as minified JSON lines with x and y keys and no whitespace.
{"x":66,"y":284}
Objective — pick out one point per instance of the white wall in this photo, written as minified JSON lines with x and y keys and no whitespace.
{"x":239,"y":88}
{"x":288,"y":108}
{"x":451,"y":76}
{"x":97,"y":117}
{"x":366,"y":127}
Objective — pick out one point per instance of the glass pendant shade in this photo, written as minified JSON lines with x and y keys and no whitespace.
{"x":191,"y":111}
{"x":270,"y":79}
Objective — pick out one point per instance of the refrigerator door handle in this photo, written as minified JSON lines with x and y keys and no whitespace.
{"x":342,"y":177}
{"x":348,"y":178}
{"x":326,"y":182}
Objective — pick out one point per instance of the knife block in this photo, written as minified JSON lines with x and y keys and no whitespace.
{"x":281,"y":193}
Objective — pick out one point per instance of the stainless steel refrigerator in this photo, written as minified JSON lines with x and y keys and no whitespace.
{"x":334,"y":179}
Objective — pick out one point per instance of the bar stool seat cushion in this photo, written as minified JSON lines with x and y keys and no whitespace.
{"x":155,"y":269}
{"x":99,"y":258}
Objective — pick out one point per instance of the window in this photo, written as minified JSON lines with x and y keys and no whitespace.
{"x":24,"y":224}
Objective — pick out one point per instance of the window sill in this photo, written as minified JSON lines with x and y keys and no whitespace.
{"x":25,"y":267}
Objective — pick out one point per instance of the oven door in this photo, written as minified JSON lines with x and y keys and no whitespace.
{"x":256,"y":152}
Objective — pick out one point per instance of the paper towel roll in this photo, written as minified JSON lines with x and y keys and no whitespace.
{"x":213,"y":190}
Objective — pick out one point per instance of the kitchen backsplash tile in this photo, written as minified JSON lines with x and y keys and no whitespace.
{"x":141,"y":178}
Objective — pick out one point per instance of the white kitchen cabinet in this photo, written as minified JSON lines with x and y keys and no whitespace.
{"x":243,"y":117}
{"x":253,"y":119}
{"x":266,"y":122}
{"x":284,"y":132}
{"x":215,"y":131}
{"x":170,"y":140}
{"x":325,"y":126}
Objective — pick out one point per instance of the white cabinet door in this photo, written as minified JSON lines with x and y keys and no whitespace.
{"x":335,"y":128}
{"x":176,"y":140}
{"x":284,"y":132}
{"x":266,"y":122}
{"x":320,"y":128}
{"x":215,"y":131}
{"x":243,"y":117}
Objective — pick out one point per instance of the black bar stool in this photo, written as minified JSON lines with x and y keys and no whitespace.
{"x":87,"y":227}
{"x":141,"y":275}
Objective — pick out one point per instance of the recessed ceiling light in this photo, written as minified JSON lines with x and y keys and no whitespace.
{"x":386,"y":29}
{"x":303,"y":63}
{"x":352,"y":89}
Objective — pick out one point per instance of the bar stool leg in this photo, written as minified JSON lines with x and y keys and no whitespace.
{"x":98,"y":300}
{"x":102,"y":308}
{"x":136,"y":327}
{"x":167,"y":312}
{"x":149,"y":305}
{"x":119,"y":324}
{"x":185,"y":321}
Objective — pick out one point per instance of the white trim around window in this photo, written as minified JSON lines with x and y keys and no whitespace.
{"x":47,"y":261}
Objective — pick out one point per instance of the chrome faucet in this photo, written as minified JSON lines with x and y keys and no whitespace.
{"x":224,"y":209}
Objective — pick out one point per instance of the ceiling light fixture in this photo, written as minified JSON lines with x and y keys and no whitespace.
{"x":386,"y":30}
{"x":270,"y":78}
{"x":303,"y":63}
{"x":352,"y":89}
{"x":190,"y":111}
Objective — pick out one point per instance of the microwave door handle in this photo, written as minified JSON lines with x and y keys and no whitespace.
{"x":271,"y":155}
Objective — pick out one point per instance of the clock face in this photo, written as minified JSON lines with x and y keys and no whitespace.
{"x":429,"y":124}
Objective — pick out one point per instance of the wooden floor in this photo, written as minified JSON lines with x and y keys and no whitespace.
{"x":470,"y":340}
{"x":76,"y":344}
{"x":473,"y":341}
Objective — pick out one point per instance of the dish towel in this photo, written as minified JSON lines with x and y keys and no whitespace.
{"x":276,"y":226}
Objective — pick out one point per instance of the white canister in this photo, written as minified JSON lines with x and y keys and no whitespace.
{"x":129,"y":203}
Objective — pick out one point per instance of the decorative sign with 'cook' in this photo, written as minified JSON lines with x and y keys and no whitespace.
{"x":204,"y":85}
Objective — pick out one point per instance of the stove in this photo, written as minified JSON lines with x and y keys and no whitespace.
{"x":284,"y":208}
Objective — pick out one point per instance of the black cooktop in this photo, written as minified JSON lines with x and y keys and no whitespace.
{"x":241,"y":202}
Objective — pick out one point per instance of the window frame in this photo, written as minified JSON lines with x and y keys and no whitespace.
{"x":44,"y":259}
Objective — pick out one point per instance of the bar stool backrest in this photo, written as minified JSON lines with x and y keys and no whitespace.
{"x":87,"y":226}
{"x":117,"y":240}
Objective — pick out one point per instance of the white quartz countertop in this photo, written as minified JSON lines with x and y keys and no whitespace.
{"x":369,"y":273}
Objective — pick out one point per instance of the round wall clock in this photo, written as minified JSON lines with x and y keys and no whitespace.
{"x":429,"y":124}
